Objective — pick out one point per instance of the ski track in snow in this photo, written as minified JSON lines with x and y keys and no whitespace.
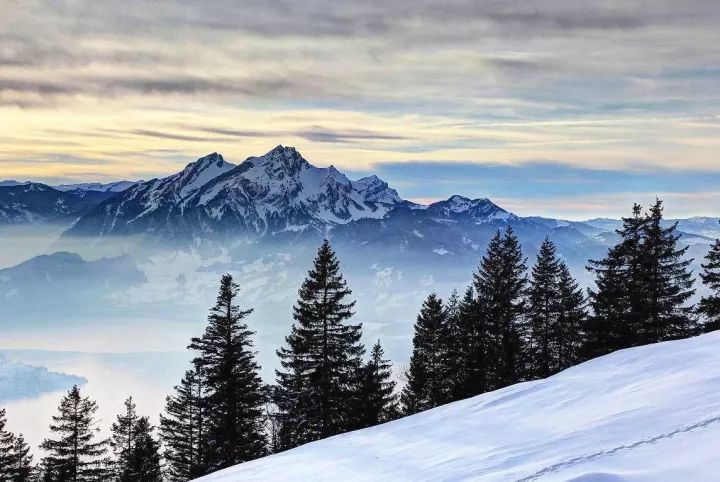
{"x":649,"y":441}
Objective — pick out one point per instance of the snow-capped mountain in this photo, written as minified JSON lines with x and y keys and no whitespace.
{"x":35,"y":203}
{"x":114,"y":187}
{"x":279,"y":192}
{"x":12,"y":182}
{"x":461,"y":209}
{"x":638,"y":415}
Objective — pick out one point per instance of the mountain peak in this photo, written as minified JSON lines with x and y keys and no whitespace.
{"x":281,"y":153}
{"x":279,"y":161}
{"x":206,"y":161}
{"x":480,"y":209}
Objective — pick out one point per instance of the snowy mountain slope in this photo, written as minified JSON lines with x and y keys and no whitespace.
{"x":149,"y":206}
{"x":645,"y":414}
{"x":35,"y":203}
{"x":93,"y":197}
{"x":281,"y":192}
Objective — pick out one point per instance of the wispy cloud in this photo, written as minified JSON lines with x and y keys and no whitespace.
{"x":601,"y":84}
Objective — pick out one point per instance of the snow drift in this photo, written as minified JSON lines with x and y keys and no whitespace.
{"x":644,"y":414}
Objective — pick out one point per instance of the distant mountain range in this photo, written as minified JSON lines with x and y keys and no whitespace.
{"x":280,"y":196}
{"x":29,"y":202}
{"x":277,"y":193}
{"x":35,"y":203}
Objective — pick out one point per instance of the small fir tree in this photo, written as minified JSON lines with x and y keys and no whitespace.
{"x":15,"y":459}
{"x":710,"y":305}
{"x":376,"y":401}
{"x":183,"y":429}
{"x":427,"y":377}
{"x":137,"y":457}
{"x":75,"y":454}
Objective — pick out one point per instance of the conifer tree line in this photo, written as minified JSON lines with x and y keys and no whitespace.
{"x":516,"y":321}
{"x":222,"y":414}
{"x":512,"y":325}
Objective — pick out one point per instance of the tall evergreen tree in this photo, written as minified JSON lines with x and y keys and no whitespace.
{"x":123,"y":437}
{"x":144,"y":459}
{"x":470,"y":348}
{"x":500,"y":285}
{"x":572,"y":315}
{"x":620,"y":301}
{"x":609,"y":326}
{"x":137,"y":457}
{"x":376,"y":401}
{"x":183,"y":429}
{"x":15,"y":459}
{"x":643,"y":285}
{"x":710,"y":305}
{"x":451,"y":337}
{"x":556,"y":314}
{"x":235,"y":396}
{"x":543,"y":311}
{"x":668,"y":282}
{"x":75,"y":455}
{"x":321,"y":362}
{"x":427,"y":376}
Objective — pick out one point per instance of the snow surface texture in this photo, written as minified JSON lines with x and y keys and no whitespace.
{"x":18,"y":380}
{"x":645,"y":414}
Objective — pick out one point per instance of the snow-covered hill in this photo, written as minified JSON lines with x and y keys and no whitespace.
{"x":645,"y":414}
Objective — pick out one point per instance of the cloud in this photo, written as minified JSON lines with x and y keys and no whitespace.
{"x":320,"y":134}
{"x":601,"y":84}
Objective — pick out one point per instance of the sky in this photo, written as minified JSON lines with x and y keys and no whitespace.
{"x":560,"y":108}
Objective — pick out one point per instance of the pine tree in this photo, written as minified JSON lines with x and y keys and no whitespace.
{"x":543,"y":305}
{"x":183,"y":429}
{"x":123,"y":438}
{"x":144,"y":458}
{"x":75,"y":455}
{"x":667,"y":280}
{"x":643,"y":285}
{"x":321,"y":362}
{"x":137,"y":457}
{"x":15,"y":459}
{"x":376,"y":401}
{"x":235,"y":396}
{"x":500,"y":284}
{"x":450,"y":341}
{"x":427,"y":376}
{"x":23,"y":469}
{"x":470,"y":348}
{"x":710,"y":305}
{"x":607,"y":329}
{"x":619,"y":302}
{"x":7,"y":442}
{"x":572,"y":315}
{"x":556,"y":314}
